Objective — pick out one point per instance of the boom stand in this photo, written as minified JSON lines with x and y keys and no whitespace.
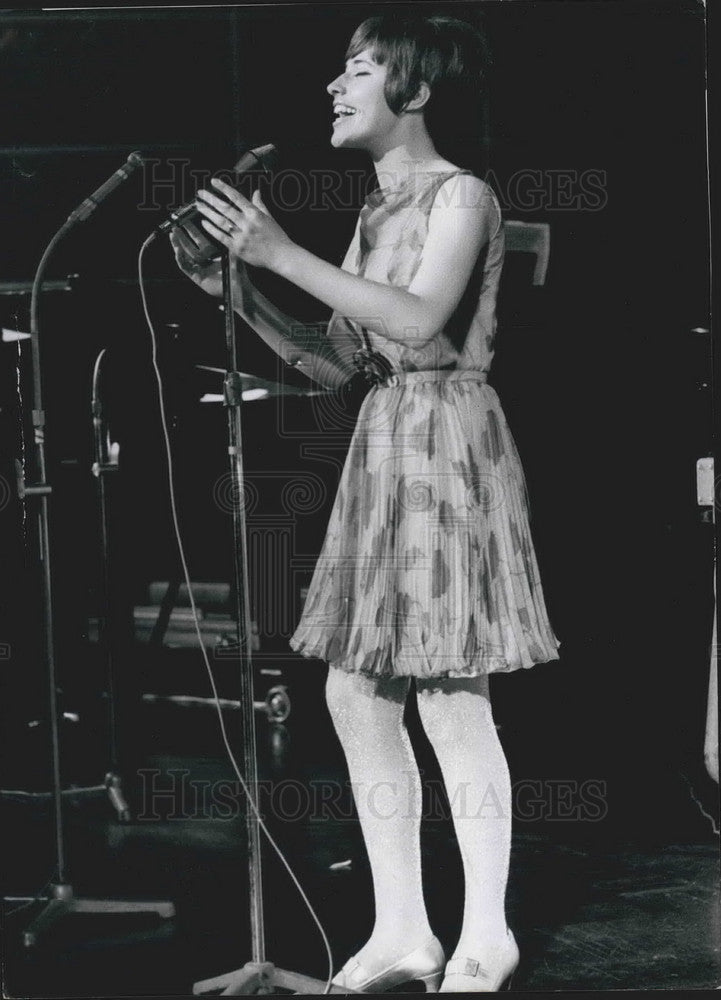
{"x":61,"y":899}
{"x":258,"y":975}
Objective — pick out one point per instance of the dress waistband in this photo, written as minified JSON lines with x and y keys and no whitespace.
{"x":434,"y":375}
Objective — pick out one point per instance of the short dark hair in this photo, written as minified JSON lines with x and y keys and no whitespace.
{"x":450,"y":55}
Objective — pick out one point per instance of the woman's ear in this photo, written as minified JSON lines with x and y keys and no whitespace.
{"x":420,"y":100}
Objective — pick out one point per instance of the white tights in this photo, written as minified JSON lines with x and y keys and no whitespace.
{"x":456,"y":715}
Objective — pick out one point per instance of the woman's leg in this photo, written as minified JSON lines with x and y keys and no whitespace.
{"x":368,"y":717}
{"x":457,"y":717}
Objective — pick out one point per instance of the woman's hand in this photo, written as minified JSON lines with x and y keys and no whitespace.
{"x":191,"y":250}
{"x":245,"y":227}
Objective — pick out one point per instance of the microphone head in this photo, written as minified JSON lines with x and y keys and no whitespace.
{"x":264,"y":157}
{"x":268,"y":155}
{"x":136,"y":159}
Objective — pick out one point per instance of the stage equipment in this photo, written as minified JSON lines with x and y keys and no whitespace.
{"x":259,"y":975}
{"x":251,"y":387}
{"x":86,"y":208}
{"x":59,"y":898}
{"x":276,"y":705}
{"x":164,"y":623}
{"x":262,"y":158}
{"x":26,"y":287}
{"x":105,"y":464}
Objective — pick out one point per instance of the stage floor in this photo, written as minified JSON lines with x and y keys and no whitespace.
{"x":592,"y":908}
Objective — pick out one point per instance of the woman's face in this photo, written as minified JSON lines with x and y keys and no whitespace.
{"x":362,"y":118}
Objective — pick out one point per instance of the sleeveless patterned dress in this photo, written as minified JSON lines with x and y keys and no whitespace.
{"x":428,"y":567}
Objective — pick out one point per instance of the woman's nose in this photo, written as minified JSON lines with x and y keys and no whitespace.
{"x":336,"y":86}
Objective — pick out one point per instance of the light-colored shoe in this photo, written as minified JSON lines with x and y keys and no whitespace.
{"x":424,"y":964}
{"x":467,"y":975}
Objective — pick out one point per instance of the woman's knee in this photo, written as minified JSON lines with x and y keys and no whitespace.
{"x":444,"y":702}
{"x":354,"y":697}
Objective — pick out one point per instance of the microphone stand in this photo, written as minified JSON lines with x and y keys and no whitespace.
{"x":60,"y":899}
{"x":258,"y":975}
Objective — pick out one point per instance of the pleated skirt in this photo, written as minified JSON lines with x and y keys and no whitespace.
{"x":428,"y":567}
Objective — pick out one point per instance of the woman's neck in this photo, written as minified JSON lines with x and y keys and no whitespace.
{"x":399,"y":162}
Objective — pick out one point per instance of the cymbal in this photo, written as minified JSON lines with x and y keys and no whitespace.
{"x":26,"y":287}
{"x":261,"y":388}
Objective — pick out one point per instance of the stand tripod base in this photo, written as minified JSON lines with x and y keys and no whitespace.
{"x":63,"y":903}
{"x":263,"y":977}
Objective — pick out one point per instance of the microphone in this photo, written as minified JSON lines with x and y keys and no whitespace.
{"x":88,"y":206}
{"x":262,"y":157}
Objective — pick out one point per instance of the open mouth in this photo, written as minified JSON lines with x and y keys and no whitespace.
{"x":341,"y":111}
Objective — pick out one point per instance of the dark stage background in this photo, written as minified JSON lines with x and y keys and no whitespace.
{"x":604,"y":373}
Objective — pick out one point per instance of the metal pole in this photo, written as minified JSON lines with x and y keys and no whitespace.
{"x":233,"y":400}
{"x":106,"y":630}
{"x":42,"y":490}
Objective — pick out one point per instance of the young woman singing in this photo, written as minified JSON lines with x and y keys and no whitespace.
{"x":427,"y":573}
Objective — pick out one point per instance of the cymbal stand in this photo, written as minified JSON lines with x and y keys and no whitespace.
{"x":59,"y":898}
{"x":104,"y":466}
{"x":258,"y":975}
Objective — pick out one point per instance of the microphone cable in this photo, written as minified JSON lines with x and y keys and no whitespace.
{"x":196,"y":621}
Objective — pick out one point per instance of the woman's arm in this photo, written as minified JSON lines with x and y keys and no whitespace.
{"x":298,"y":344}
{"x":461,"y":222}
{"x":301,"y":345}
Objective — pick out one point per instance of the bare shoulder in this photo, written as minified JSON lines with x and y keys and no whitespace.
{"x":464,"y":191}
